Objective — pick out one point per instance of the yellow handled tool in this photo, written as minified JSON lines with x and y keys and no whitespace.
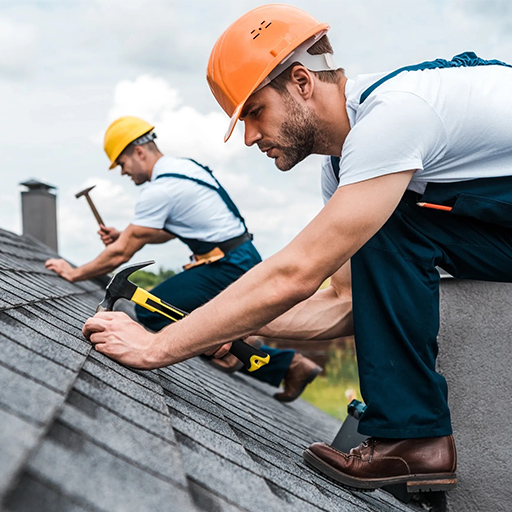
{"x":121,"y":287}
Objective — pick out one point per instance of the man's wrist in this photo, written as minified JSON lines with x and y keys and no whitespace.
{"x":169,"y":347}
{"x":73,"y":275}
{"x":158,"y":353}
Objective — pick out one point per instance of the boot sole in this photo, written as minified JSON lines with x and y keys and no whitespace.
{"x":413,"y":483}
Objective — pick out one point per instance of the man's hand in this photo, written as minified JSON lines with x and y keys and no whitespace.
{"x":117,"y":336}
{"x":219,"y":352}
{"x":108,"y":234}
{"x":61,"y":267}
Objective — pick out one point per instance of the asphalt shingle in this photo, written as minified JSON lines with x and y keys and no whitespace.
{"x":19,"y":436}
{"x":79,"y":432}
{"x":105,"y":480}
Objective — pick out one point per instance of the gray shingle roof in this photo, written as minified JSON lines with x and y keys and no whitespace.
{"x":79,"y":432}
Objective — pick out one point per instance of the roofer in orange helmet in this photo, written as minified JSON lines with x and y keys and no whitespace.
{"x":417,"y":174}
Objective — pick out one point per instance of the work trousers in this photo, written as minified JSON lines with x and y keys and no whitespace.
{"x":192,"y":288}
{"x":395,"y":286}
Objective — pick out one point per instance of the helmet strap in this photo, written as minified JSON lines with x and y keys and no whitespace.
{"x":144,"y":139}
{"x":320,"y":62}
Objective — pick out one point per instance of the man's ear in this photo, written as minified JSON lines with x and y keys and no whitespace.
{"x":139,"y":152}
{"x":302,"y":79}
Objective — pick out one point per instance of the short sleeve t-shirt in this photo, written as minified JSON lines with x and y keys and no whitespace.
{"x":184,"y":207}
{"x":448,"y":124}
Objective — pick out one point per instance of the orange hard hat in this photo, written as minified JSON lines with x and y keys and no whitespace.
{"x":254,"y":45}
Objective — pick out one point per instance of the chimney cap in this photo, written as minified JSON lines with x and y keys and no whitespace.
{"x":37,"y":185}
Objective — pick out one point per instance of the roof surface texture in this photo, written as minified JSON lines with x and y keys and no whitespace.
{"x":79,"y":432}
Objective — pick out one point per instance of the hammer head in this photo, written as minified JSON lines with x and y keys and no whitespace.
{"x":84,"y":192}
{"x":120,"y":287}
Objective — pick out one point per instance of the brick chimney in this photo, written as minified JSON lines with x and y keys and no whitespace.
{"x":39,"y":212}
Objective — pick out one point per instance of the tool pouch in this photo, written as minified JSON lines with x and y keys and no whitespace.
{"x":204,"y":259}
{"x":484,"y":208}
{"x":485,"y":199}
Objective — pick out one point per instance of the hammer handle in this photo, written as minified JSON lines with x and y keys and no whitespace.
{"x":251,"y":357}
{"x":94,"y":211}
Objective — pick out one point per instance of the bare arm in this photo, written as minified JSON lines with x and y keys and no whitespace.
{"x":350,"y":218}
{"x":161,"y":237}
{"x":327,"y":314}
{"x":131,"y":240}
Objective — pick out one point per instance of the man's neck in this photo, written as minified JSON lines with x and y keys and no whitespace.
{"x":152,"y":162}
{"x":335,"y":122}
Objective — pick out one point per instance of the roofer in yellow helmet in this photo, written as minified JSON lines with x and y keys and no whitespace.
{"x":182,"y":199}
{"x":125,"y":131}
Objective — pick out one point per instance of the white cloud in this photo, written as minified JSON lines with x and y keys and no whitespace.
{"x":148,"y":36}
{"x":146,"y":96}
{"x":18,"y":44}
{"x":182,"y":130}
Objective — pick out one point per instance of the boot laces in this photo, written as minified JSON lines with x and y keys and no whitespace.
{"x":370,"y":442}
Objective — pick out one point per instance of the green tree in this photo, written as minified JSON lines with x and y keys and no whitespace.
{"x":149,"y":280}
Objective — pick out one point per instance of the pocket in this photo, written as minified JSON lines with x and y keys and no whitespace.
{"x":484,"y":209}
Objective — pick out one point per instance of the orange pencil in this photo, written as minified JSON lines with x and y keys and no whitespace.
{"x":435,"y":206}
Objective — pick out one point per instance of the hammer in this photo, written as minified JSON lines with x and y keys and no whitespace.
{"x":121,"y":287}
{"x":85,"y":193}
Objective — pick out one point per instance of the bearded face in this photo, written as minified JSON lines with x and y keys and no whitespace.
{"x":295,"y":140}
{"x":284,"y":128}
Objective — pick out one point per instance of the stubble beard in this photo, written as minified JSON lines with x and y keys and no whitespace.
{"x":298,"y":135}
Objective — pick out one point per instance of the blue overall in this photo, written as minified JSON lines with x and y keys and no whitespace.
{"x":194,"y":287}
{"x":395,"y":287}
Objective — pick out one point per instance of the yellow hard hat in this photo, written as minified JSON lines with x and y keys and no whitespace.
{"x":265,"y":39}
{"x":122,"y":132}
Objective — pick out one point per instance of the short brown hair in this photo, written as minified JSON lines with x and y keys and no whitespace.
{"x":150,"y":146}
{"x":323,"y":45}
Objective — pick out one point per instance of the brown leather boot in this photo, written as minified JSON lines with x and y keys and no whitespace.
{"x":300,"y":373}
{"x":426,"y":464}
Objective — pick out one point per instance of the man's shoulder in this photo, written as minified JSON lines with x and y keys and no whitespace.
{"x":168,"y":164}
{"x":152,"y":191}
{"x":355,"y":87}
{"x":179,"y":165}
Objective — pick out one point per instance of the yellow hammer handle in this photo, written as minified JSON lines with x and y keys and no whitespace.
{"x":153,"y":303}
{"x":252,"y":358}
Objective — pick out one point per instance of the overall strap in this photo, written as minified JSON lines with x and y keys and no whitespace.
{"x":335,"y":163}
{"x":466,"y":59}
{"x":219,"y":189}
{"x":185,"y":177}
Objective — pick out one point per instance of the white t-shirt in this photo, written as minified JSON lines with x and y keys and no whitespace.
{"x":184,"y":207}
{"x":450,"y":124}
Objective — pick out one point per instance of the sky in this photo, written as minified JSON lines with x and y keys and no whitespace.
{"x":70,"y":67}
